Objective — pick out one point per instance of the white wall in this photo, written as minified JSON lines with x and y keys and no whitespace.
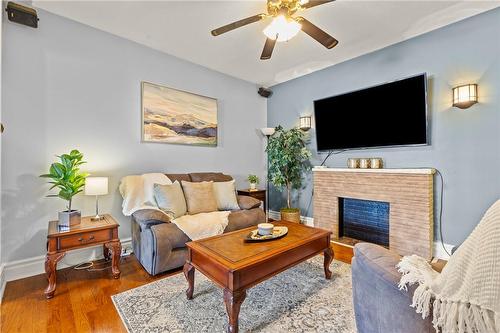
{"x":66,"y":85}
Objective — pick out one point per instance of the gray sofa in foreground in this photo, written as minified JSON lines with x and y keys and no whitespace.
{"x":161,"y":246}
{"x":379,"y":306}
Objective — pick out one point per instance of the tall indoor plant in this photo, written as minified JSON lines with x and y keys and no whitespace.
{"x":67,"y":177}
{"x":288,"y":160}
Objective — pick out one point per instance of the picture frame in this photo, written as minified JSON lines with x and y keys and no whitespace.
{"x":170,"y":115}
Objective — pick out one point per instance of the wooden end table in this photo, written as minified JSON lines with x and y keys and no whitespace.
{"x":236,"y":265}
{"x":87,"y":233}
{"x":257,"y":194}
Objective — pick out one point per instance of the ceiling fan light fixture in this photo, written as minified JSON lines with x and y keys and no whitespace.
{"x":282,"y":28}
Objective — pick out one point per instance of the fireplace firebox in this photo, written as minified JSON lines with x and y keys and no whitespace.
{"x":364,"y":220}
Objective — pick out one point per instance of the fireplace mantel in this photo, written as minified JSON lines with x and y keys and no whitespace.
{"x":409,"y":192}
{"x":423,"y":171}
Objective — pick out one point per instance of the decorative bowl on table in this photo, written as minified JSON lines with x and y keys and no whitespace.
{"x":277,"y":232}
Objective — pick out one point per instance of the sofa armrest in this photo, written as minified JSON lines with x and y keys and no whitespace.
{"x":146,"y":218}
{"x":246,"y":202}
{"x":379,"y":305}
{"x":168,"y":236}
{"x":379,"y":260}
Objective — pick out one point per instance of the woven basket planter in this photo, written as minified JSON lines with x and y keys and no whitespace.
{"x":290,"y":215}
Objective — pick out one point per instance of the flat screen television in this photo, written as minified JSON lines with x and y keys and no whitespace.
{"x":387,"y":115}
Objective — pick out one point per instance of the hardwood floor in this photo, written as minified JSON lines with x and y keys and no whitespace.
{"x":82,"y":301}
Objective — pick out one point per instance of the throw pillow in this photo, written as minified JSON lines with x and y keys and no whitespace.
{"x":225,"y":194}
{"x":170,"y":199}
{"x":200,"y":197}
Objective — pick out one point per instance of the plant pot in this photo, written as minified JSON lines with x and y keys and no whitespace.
{"x":253,"y":186}
{"x":69,"y":218}
{"x":290,"y":214}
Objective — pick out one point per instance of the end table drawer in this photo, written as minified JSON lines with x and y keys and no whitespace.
{"x":83,"y":239}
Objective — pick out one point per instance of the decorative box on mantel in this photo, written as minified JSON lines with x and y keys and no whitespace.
{"x":391,"y":207}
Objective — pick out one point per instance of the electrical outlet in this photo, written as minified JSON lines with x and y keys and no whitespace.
{"x":126,"y":251}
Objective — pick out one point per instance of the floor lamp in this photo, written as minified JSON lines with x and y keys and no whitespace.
{"x":267,"y":132}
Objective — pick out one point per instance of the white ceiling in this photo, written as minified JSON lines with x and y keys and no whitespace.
{"x":182,"y":29}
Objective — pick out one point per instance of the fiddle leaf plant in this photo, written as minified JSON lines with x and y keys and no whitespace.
{"x":66,"y":176}
{"x":288,"y":159}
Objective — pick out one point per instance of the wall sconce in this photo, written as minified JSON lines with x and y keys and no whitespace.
{"x":465,"y":96}
{"x":305,"y":123}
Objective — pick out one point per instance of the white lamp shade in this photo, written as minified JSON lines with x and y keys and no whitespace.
{"x":267,"y":131}
{"x":96,"y":186}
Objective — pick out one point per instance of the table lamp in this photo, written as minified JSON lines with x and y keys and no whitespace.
{"x":96,"y":186}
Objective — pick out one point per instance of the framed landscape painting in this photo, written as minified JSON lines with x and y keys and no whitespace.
{"x":175,"y":116}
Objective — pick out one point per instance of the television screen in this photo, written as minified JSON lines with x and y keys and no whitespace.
{"x":391,"y":114}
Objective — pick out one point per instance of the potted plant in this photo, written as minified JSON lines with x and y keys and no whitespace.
{"x":253,"y":180}
{"x":288,"y":159}
{"x":66,"y":176}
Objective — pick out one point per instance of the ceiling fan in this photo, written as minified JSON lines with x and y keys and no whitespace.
{"x":284,"y":26}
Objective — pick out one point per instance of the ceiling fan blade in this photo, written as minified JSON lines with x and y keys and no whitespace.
{"x":322,"y":37}
{"x":267,"y":52}
{"x":314,"y":3}
{"x":238,"y":24}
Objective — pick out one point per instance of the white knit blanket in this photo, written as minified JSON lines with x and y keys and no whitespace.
{"x":465,"y":296}
{"x":203,"y":225}
{"x":137,"y":191}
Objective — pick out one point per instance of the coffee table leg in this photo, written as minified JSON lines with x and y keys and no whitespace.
{"x":233,"y":302}
{"x":189,"y":274}
{"x":328,"y":253}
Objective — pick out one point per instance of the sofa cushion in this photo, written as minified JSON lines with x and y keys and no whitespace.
{"x":246,"y":202}
{"x":170,"y":199}
{"x":200,"y":197}
{"x":209,"y":176}
{"x":225,"y":194}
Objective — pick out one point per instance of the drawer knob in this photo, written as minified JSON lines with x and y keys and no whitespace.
{"x":91,"y":237}
{"x":80,"y":239}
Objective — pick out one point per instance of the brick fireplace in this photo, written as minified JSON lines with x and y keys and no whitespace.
{"x":390,"y":207}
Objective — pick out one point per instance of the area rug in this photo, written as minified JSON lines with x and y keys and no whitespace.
{"x":299,"y":299}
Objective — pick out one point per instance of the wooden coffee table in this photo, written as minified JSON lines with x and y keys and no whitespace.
{"x":236,"y":265}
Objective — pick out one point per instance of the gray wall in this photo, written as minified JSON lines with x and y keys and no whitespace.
{"x":465,"y":143}
{"x":66,"y":85}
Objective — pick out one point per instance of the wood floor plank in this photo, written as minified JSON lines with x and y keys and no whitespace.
{"x":82,"y":302}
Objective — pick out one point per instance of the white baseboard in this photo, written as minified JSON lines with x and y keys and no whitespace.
{"x":20,"y":269}
{"x":438,"y":251}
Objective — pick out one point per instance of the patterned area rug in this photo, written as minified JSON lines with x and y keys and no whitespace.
{"x":297,"y":300}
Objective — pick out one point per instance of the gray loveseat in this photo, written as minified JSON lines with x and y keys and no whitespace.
{"x":379,"y":306}
{"x":161,"y":246}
